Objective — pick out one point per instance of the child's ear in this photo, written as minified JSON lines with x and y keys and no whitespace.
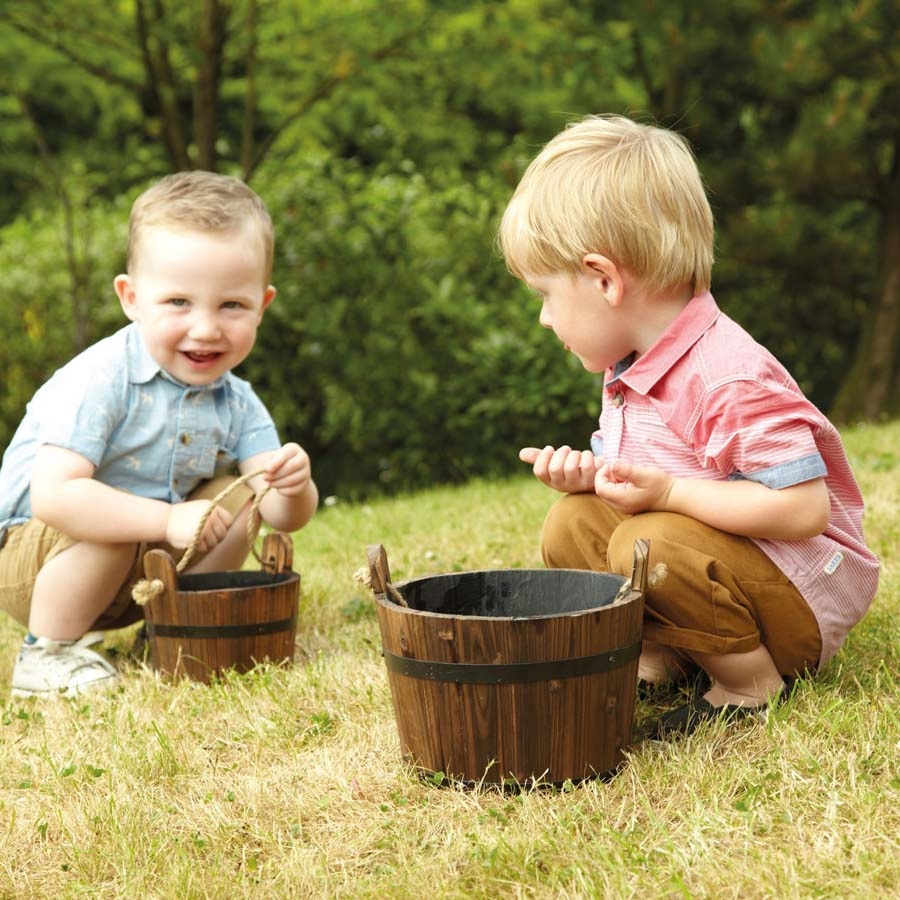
{"x":125,"y":293}
{"x":268,"y":297}
{"x":606,"y":275}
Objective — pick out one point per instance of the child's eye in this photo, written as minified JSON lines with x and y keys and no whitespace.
{"x":233,"y":304}
{"x":177,"y":301}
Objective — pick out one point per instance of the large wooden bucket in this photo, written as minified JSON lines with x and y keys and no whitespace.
{"x":513,"y":676}
{"x":204,"y":624}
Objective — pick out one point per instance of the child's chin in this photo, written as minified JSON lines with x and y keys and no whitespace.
{"x":194,"y":378}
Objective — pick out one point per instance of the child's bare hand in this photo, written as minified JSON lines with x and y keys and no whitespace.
{"x":633,"y":489}
{"x":289,"y":470}
{"x":185,"y":518}
{"x":562,"y":468}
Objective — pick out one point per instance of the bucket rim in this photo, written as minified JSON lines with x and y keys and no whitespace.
{"x":190,"y":582}
{"x":615,"y":603}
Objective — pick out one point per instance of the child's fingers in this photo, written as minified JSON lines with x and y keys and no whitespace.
{"x":276,"y":462}
{"x":588,"y":464}
{"x":529,"y":455}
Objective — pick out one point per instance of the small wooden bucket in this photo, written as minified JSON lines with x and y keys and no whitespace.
{"x":201,"y":625}
{"x":513,"y":676}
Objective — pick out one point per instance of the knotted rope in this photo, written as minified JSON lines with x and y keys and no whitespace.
{"x":146,"y":589}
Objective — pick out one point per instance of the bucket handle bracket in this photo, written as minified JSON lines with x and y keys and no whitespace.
{"x":380,"y":575}
{"x":277,"y":553}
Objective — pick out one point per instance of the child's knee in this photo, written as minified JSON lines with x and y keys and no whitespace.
{"x":562,"y":520}
{"x":575,"y":533}
{"x":621,"y":543}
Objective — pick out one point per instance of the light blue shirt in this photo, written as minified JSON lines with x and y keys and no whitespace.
{"x":145,"y":432}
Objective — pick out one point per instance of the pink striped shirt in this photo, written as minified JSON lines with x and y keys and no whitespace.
{"x":707,"y":401}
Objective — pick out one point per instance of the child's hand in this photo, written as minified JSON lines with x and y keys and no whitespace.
{"x":184,"y":519}
{"x":563,"y":469}
{"x":289,"y":470}
{"x":633,"y":489}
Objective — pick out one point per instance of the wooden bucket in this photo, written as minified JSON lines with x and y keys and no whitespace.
{"x":204,"y":624}
{"x":513,"y":676}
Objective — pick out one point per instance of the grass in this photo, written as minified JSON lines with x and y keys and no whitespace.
{"x":289,"y":782}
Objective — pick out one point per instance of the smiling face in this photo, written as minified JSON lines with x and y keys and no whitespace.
{"x":198,"y":298}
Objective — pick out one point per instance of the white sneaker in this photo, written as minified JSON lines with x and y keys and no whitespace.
{"x":66,"y":668}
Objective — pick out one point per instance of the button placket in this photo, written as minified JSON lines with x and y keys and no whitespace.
{"x":186,"y":425}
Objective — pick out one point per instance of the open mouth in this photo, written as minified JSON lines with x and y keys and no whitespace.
{"x":200,"y":357}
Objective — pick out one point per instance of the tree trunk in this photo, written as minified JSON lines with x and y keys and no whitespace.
{"x":212,"y":38}
{"x":871,"y":390}
{"x":249,"y":121}
{"x":161,"y":88}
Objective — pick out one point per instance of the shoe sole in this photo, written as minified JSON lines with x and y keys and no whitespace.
{"x":103,"y":684}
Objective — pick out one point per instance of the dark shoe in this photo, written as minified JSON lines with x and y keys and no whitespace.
{"x":689,"y":685}
{"x":658,"y":692}
{"x":686,"y":719}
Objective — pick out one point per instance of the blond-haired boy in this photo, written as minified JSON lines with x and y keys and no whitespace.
{"x":706,"y":445}
{"x":125,"y":445}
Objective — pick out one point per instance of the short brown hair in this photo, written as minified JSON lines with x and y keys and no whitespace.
{"x":610,"y":185}
{"x":200,"y":201}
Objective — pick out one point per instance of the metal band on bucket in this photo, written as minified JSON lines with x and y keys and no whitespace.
{"x":507,"y":673}
{"x":210,"y":632}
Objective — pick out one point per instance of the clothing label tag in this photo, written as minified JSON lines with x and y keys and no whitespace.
{"x":833,"y":563}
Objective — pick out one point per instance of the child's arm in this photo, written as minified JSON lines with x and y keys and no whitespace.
{"x":741,"y":507}
{"x":65,"y":495}
{"x":563,"y":469}
{"x":293,"y":497}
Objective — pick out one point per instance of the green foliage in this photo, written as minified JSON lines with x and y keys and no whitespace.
{"x":386,"y":138}
{"x":399,"y":350}
{"x":38,"y":321}
{"x":798,"y":277}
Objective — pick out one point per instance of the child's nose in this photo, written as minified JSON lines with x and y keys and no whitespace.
{"x":204,"y":326}
{"x":544,"y":317}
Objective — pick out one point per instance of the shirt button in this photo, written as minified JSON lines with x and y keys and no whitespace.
{"x":185,"y":439}
{"x":618,"y":399}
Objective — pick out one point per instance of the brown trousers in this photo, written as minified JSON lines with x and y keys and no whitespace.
{"x":707,"y":590}
{"x":29,"y":546}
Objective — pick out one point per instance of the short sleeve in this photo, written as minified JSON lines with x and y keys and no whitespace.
{"x":79,"y":409}
{"x":762,"y":432}
{"x":256,"y":431}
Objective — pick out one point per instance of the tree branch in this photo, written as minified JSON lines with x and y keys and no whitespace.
{"x":249,"y":119}
{"x":213,"y":33}
{"x":325,"y":88}
{"x":160,"y":86}
{"x":48,"y":38}
{"x":75,"y":266}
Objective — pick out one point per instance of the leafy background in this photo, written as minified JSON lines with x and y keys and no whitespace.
{"x":386,"y":139}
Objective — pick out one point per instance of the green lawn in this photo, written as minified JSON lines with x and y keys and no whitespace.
{"x":289,"y":783}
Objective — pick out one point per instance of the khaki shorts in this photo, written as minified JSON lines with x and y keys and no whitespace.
{"x":29,"y":546}
{"x":707,"y":590}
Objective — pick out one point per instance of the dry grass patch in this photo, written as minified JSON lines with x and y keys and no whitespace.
{"x":289,"y":782}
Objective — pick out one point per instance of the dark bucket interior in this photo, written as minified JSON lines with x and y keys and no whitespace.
{"x":513,"y":593}
{"x":219,"y":581}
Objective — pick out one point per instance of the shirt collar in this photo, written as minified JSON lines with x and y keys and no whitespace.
{"x":686,"y":329}
{"x":144,"y":368}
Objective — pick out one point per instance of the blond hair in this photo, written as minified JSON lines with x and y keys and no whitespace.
{"x":200,"y":201}
{"x":610,"y":185}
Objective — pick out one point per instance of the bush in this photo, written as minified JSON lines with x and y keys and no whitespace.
{"x":400,"y":351}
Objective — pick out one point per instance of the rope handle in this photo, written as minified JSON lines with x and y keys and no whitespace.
{"x":254,"y":520}
{"x":145,"y":589}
